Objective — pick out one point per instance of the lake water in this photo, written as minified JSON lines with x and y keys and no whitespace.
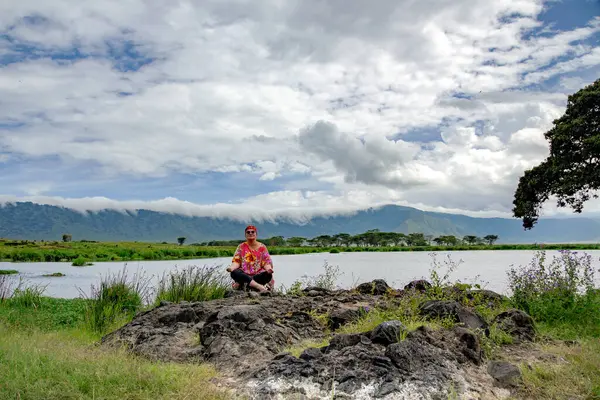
{"x":397,"y":268}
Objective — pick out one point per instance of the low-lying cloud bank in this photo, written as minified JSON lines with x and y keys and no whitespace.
{"x":261,"y":208}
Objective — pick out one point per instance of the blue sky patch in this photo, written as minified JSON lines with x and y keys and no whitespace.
{"x":125,"y":54}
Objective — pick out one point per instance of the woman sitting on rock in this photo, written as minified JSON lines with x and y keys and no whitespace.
{"x":251,"y":264}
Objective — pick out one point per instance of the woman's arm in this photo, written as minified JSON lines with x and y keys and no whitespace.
{"x":236,"y":262}
{"x":267,"y":262}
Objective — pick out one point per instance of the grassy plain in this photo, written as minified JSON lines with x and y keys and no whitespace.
{"x":81,"y":253}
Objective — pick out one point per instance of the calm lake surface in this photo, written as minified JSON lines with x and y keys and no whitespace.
{"x":397,"y":268}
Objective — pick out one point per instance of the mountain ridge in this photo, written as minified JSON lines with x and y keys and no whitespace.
{"x":27,"y":220}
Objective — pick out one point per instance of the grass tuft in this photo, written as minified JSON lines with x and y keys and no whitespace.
{"x":116,"y":298}
{"x":192,"y":284}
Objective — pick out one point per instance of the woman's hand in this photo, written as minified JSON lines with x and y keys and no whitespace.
{"x":232,"y":267}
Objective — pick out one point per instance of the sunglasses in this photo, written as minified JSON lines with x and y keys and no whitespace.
{"x":250,"y":232}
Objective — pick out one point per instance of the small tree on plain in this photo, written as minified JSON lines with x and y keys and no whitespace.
{"x":66,"y":237}
{"x":490,"y":239}
{"x":181,"y":240}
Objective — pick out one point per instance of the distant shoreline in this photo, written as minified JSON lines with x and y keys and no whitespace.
{"x":30,"y":251}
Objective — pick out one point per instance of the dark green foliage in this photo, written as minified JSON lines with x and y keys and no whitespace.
{"x":572,"y":170}
{"x":8,"y":272}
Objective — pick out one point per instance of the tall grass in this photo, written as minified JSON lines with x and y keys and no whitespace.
{"x":193,"y":283}
{"x":19,"y":293}
{"x":7,"y":284}
{"x":116,"y":298}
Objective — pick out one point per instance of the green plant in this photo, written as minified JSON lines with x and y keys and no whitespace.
{"x":192,"y":284}
{"x":560,"y":291}
{"x":8,"y":272}
{"x":115,"y":298}
{"x":80,"y":262}
{"x":28,"y":297}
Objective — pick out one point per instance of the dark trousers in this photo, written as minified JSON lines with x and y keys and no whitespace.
{"x":244,"y":279}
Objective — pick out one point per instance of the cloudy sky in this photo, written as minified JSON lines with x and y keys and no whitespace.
{"x":296,"y":107}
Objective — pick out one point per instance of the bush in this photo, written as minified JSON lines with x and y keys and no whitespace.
{"x":80,"y":262}
{"x":560,"y":291}
{"x":192,"y":284}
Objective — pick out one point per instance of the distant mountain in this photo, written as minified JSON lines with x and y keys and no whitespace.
{"x":25,"y":220}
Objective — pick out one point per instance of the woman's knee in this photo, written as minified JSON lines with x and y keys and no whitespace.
{"x":240,"y":276}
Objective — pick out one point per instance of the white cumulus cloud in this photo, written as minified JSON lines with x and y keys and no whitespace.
{"x":438,"y":104}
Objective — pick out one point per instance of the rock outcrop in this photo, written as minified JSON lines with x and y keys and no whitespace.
{"x":249,"y":338}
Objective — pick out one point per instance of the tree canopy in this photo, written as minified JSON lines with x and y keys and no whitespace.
{"x":571,"y":172}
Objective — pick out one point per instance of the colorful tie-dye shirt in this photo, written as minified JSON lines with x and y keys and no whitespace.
{"x":252,"y":262}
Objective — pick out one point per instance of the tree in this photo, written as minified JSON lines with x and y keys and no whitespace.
{"x":448,"y":240}
{"x":471,"y":239}
{"x":66,"y":237}
{"x":571,"y":172}
{"x":296,"y":241}
{"x":416,"y":239}
{"x":490,"y":239}
{"x":181,"y":240}
{"x":276,"y":241}
{"x":342,"y":238}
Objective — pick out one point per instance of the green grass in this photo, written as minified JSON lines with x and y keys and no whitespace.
{"x":54,"y":274}
{"x":67,"y":365}
{"x":48,"y":314}
{"x":574,"y":375}
{"x":192,"y":284}
{"x":49,"y":350}
{"x":85,"y":251}
{"x":116,"y":298}
{"x":81,"y":262}
{"x":8,"y":272}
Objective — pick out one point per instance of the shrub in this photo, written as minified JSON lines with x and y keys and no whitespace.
{"x":557,"y":291}
{"x":80,"y":262}
{"x":192,"y":284}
